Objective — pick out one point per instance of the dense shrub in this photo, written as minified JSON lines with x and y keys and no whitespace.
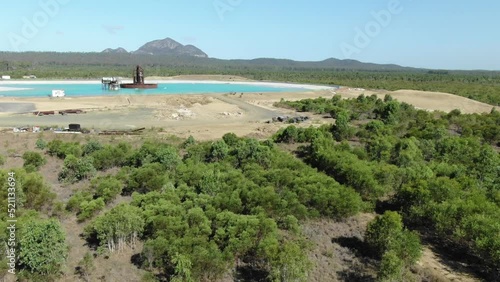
{"x":76,"y":169}
{"x":33,"y":159}
{"x":62,"y":149}
{"x":107,"y":188}
{"x":41,"y":144}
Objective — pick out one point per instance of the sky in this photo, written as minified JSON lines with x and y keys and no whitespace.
{"x":445,"y":34}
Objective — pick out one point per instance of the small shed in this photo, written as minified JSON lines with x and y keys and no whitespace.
{"x":5,"y":77}
{"x":75,"y":127}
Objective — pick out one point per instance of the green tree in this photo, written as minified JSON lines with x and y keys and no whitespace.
{"x":189,"y":141}
{"x":41,"y":144}
{"x":342,"y":130}
{"x":90,"y":208}
{"x":218,"y":151}
{"x":6,"y":179}
{"x":230,"y":138}
{"x":398,"y":248}
{"x":183,"y":267}
{"x":210,"y":183}
{"x":77,"y":199}
{"x":406,"y":153}
{"x":169,"y":157}
{"x":76,"y":169}
{"x":151,"y":152}
{"x":61,"y":149}
{"x":155,"y":251}
{"x":408,"y":247}
{"x":111,"y":156}
{"x":391,"y":268}
{"x":288,"y":135}
{"x":107,"y":188}
{"x":290,"y":264}
{"x":117,"y":228}
{"x":390,"y":112}
{"x":92,"y":146}
{"x":33,"y":159}
{"x":250,"y":150}
{"x":382,"y":231}
{"x":42,"y":247}
{"x":35,"y":190}
{"x":147,"y":178}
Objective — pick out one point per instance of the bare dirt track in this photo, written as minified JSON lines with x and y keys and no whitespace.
{"x":203,"y":116}
{"x":206,"y":116}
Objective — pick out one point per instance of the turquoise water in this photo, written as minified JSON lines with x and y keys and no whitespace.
{"x":81,"y":90}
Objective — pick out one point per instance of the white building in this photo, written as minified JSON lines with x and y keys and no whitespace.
{"x":5,"y":77}
{"x":58,"y":93}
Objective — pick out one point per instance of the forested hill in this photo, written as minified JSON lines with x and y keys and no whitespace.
{"x":32,"y":59}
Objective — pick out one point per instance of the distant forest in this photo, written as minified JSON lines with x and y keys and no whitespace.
{"x":482,"y":86}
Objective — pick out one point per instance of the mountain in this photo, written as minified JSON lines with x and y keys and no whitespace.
{"x":115,"y":51}
{"x":354,"y":64}
{"x":168,"y":46}
{"x":331,"y":63}
{"x":171,"y":54}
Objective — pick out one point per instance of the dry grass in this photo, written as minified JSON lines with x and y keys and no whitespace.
{"x":337,"y":253}
{"x":332,"y":256}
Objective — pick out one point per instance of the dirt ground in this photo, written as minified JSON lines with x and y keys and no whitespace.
{"x":433,"y":267}
{"x":338,"y":254}
{"x":333,"y":256}
{"x":206,"y":116}
{"x":434,"y":101}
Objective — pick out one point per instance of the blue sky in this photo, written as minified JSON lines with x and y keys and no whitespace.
{"x":444,"y":34}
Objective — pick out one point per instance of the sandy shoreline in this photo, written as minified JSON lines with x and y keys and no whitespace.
{"x":420,"y":99}
{"x":205,"y":116}
{"x":162,"y":81}
{"x":3,"y":89}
